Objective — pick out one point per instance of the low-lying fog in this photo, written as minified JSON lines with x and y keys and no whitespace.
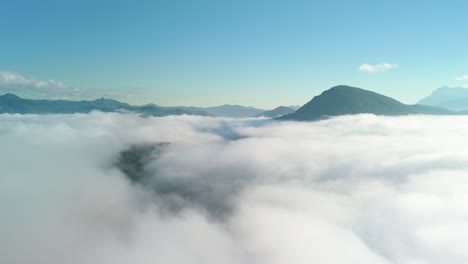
{"x":119,"y":188}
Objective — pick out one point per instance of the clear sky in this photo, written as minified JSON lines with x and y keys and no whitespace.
{"x":211,"y":52}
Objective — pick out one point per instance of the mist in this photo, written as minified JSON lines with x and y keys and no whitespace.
{"x":120,"y":188}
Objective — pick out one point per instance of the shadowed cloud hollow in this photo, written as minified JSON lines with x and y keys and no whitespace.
{"x":119,"y":188}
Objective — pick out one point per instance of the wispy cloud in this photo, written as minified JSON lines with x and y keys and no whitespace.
{"x":8,"y":78}
{"x":30,"y":87}
{"x":462,"y":78}
{"x":377,"y":67}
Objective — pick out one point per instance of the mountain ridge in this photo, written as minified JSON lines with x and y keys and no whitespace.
{"x":338,"y":100}
{"x":348,"y":100}
{"x":13,"y":104}
{"x":452,"y":98}
{"x":278,"y":111}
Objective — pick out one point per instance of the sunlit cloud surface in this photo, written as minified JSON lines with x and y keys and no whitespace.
{"x":353,"y":189}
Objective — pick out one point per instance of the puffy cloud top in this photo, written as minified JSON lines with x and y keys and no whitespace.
{"x":352,"y":189}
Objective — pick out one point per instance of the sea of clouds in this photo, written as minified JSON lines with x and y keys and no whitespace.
{"x":352,"y":189}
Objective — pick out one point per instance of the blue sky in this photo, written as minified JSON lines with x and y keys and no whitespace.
{"x":211,"y":52}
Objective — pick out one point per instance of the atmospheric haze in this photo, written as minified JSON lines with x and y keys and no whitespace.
{"x":353,"y":189}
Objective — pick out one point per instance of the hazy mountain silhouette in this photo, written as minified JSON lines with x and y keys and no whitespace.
{"x":10,"y":103}
{"x":279,"y":111}
{"x":347,"y":100}
{"x":234,"y":111}
{"x":295,"y":107}
{"x":453,"y":98}
{"x":237,"y":111}
{"x":339,"y":100}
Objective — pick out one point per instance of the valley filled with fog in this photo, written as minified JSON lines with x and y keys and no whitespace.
{"x":121,"y":188}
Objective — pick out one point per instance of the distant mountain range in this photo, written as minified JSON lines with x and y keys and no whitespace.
{"x":338,"y":100}
{"x":453,"y":98}
{"x":347,"y":100}
{"x":10,"y":103}
{"x":234,"y":111}
{"x":295,"y":107}
{"x":279,"y":111}
{"x":239,"y":111}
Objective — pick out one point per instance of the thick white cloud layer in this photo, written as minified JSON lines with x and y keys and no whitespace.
{"x":354,"y":189}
